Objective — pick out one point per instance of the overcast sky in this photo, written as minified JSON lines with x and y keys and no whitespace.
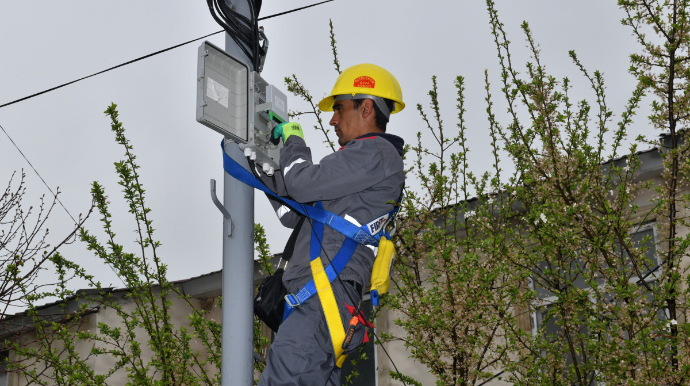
{"x":67,"y":137}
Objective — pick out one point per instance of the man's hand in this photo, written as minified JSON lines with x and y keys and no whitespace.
{"x":285,"y":130}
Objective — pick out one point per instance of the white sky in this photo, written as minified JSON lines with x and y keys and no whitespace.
{"x":67,"y":137}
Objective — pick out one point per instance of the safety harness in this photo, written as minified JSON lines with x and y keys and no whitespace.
{"x":373,"y":233}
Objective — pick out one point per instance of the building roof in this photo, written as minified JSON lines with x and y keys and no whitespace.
{"x":203,"y":286}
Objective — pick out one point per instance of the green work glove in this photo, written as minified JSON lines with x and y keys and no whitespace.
{"x":285,"y":130}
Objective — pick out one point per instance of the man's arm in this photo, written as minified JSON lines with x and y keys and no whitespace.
{"x":350,"y":170}
{"x":287,"y":216}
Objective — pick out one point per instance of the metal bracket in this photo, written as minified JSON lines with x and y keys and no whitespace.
{"x":395,"y":225}
{"x":221,"y":208}
{"x":264,"y":107}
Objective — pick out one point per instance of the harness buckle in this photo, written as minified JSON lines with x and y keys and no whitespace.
{"x":292,"y":301}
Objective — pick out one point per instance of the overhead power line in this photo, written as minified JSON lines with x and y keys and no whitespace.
{"x":150,"y":55}
{"x":294,"y":10}
{"x":39,"y":176}
{"x":106,"y":70}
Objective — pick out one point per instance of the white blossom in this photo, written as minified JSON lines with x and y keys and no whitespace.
{"x":469,"y":214}
{"x":543,"y":218}
{"x":670,"y":323}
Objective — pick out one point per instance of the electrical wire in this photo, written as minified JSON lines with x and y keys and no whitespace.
{"x":293,"y":10}
{"x":106,"y":70}
{"x":39,"y":176}
{"x":255,"y":28}
{"x":239,"y":27}
{"x":53,"y":193}
{"x":150,"y":55}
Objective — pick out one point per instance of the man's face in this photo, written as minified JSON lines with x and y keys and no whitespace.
{"x":346,"y":121}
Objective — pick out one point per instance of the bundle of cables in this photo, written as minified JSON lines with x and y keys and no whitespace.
{"x":243,"y":30}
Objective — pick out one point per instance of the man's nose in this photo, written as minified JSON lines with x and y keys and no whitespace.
{"x":333,"y":121}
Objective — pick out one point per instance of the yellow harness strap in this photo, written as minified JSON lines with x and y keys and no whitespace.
{"x":330,"y":309}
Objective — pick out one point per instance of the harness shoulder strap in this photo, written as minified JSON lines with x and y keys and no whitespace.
{"x":322,"y":285}
{"x":320,"y":215}
{"x":368,"y":234}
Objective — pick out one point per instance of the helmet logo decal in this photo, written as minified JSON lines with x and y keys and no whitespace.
{"x":365,"y":82}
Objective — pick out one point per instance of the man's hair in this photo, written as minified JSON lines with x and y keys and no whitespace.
{"x":381,"y":120}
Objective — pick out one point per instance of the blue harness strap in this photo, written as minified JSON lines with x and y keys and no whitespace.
{"x":354,"y":235}
{"x":360,"y":234}
{"x":332,"y":270}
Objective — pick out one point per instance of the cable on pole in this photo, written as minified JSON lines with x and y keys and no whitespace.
{"x":239,"y":27}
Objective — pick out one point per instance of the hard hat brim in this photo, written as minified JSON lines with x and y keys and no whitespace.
{"x":326,"y":104}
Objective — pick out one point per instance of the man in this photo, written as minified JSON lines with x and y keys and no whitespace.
{"x":358,"y":183}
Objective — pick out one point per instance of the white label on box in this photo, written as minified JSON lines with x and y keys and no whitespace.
{"x":280,"y":104}
{"x":217,"y":92}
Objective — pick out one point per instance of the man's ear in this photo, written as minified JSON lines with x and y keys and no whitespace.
{"x":367,"y":108}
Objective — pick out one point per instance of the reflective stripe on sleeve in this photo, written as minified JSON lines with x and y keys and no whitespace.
{"x":282,"y":211}
{"x":295,"y":162}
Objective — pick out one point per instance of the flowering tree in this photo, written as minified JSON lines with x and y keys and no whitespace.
{"x":24,"y":248}
{"x":601,"y":241}
{"x":592,"y":248}
{"x":576,"y":237}
{"x":143,"y":341}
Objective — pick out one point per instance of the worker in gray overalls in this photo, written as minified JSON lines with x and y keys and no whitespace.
{"x":358,"y":183}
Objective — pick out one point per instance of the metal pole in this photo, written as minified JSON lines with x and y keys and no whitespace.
{"x":237,"y":368}
{"x":238,"y":270}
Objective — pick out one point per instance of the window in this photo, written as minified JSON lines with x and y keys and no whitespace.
{"x":644,"y":236}
{"x":544,"y":314}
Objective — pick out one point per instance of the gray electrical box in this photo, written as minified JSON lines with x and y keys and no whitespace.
{"x":239,"y":104}
{"x":268,"y":110}
{"x":278,"y":101}
{"x":222,"y":93}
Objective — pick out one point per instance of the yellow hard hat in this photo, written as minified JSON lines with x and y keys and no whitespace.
{"x":365,"y":81}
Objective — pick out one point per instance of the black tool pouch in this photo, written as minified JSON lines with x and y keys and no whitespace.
{"x":269,"y":302}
